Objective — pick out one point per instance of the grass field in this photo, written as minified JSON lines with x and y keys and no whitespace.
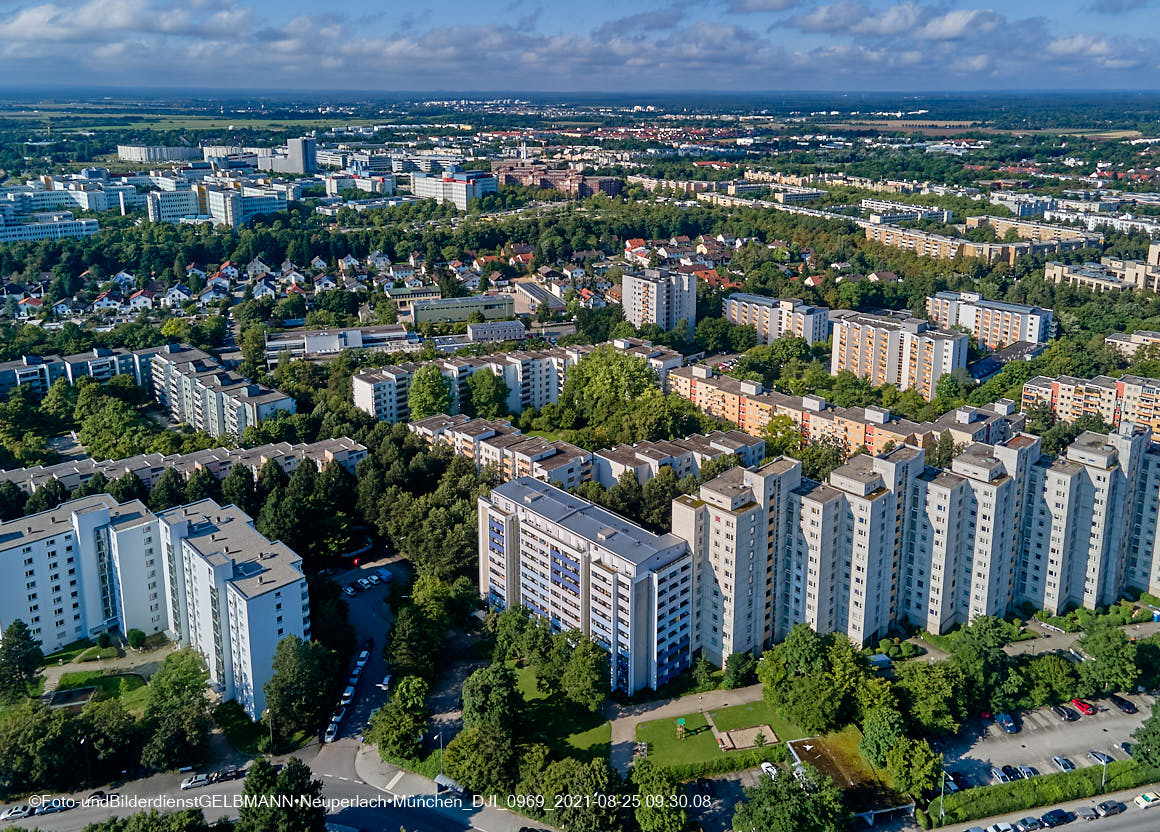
{"x":242,"y":732}
{"x":134,"y":697}
{"x":97,"y":653}
{"x":698,"y":744}
{"x":67,"y":653}
{"x":753,"y":714}
{"x":567,"y":730}
{"x":838,"y":756}
{"x":33,"y":693}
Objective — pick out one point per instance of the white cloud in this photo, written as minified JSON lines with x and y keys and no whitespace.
{"x":955,"y":24}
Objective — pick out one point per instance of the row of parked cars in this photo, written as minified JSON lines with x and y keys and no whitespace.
{"x":196,"y":781}
{"x":51,"y":807}
{"x":349,"y":691}
{"x":379,"y":576}
{"x":1070,"y":712}
{"x":1060,"y":817}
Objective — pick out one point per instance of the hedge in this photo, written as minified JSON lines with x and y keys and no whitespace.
{"x":731,"y":761}
{"x":1044,"y":790}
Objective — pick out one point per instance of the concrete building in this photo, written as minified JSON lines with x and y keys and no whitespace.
{"x":327,"y":344}
{"x":496,"y":331}
{"x":460,"y":189}
{"x":775,"y":317}
{"x":1111,"y":274}
{"x":886,"y":211}
{"x":492,"y":306}
{"x":660,"y":297}
{"x":684,"y":456}
{"x":199,"y":391}
{"x":200,"y":574}
{"x":39,"y":373}
{"x":895,"y":349}
{"x":580,"y":566}
{"x":995,"y":324}
{"x":148,"y":154}
{"x":54,"y":225}
{"x":1132,"y":399}
{"x":1128,"y":344}
{"x":232,"y":596}
{"x":171,"y":206}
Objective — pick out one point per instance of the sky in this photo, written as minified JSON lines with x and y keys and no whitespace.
{"x":605,"y":46}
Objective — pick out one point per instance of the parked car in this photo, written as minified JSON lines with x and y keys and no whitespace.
{"x":1028,"y":825}
{"x":1000,"y":827}
{"x":1063,"y":764}
{"x":770,"y":769}
{"x":999,"y":776}
{"x":1065,"y":713}
{"x":949,"y":784}
{"x":331,"y":732}
{"x":373,"y":579}
{"x":95,"y":799}
{"x":384,"y":574}
{"x":1012,"y":773}
{"x":51,"y":807}
{"x":1122,"y":703}
{"x":338,"y":715}
{"x":16,"y":812}
{"x":960,"y":780}
{"x":1007,"y":723}
{"x":1147,"y":800}
{"x":362,"y":658}
{"x":1086,"y":813}
{"x":231,"y":773}
{"x":1085,"y":708}
{"x":349,"y":591}
{"x":1054,"y":818}
{"x":386,"y":683}
{"x":353,"y":680}
{"x":363,"y":583}
{"x":1125,"y":747}
{"x":1028,"y":771}
{"x":1100,"y":758}
{"x":347,"y":696}
{"x":1110,"y":807}
{"x":195,"y":782}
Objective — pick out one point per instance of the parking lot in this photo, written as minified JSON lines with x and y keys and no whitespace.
{"x":1043,"y":735}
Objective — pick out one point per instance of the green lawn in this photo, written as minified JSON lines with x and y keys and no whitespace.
{"x":34,"y":692}
{"x":567,"y":730}
{"x":67,"y":653}
{"x":753,"y":714}
{"x":242,"y":732}
{"x":134,"y":696}
{"x":97,"y":653}
{"x":697,"y":746}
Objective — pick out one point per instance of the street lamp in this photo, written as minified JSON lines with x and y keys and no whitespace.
{"x":88,"y":763}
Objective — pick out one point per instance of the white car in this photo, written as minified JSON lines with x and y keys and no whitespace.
{"x":349,"y":591}
{"x":362,"y":658}
{"x":1000,"y":827}
{"x":347,"y":695}
{"x":194,"y":782}
{"x":364,"y":583}
{"x":770,"y":769}
{"x":331,"y":733}
{"x":374,"y":579}
{"x":16,"y":812}
{"x":1147,"y":800}
{"x":386,"y":683}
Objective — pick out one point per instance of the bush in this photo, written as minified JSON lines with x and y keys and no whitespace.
{"x":921,"y":819}
{"x":104,"y":640}
{"x":1045,"y":790}
{"x":731,"y":761}
{"x":136,"y":639}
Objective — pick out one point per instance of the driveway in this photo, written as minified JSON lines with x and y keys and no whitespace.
{"x":1043,"y":735}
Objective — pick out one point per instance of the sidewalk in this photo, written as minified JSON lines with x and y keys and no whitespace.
{"x":1051,"y":640}
{"x":145,"y":664}
{"x":625,"y":719}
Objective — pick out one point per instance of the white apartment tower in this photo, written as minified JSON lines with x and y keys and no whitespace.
{"x":661,"y":297}
{"x":774,"y":317}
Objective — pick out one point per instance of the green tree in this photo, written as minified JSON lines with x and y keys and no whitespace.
{"x":287,"y":814}
{"x":490,"y":697}
{"x":782,"y":437}
{"x":50,"y":495}
{"x":703,"y":672}
{"x":20,"y":657}
{"x":177,"y":720}
{"x":398,"y":726}
{"x":587,"y":676}
{"x":933,"y":696}
{"x":12,"y":500}
{"x":136,"y":638}
{"x":1114,"y":661}
{"x":786,"y":805}
{"x":1146,"y":740}
{"x":882,"y":729}
{"x":657,"y":497}
{"x":238,"y":489}
{"x":483,"y":758}
{"x":128,"y":487}
{"x":657,"y":809}
{"x":915,"y":766}
{"x":301,"y":670}
{"x":430,"y":392}
{"x":739,"y":670}
{"x":168,"y":491}
{"x":487,"y":395}
{"x":203,"y":485}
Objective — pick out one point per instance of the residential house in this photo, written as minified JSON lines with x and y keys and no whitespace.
{"x":176,"y":295}
{"x":228,"y":270}
{"x":265,"y":289}
{"x":256,"y":269}
{"x":318,"y":263}
{"x":109,"y":299}
{"x":324,"y":283}
{"x":348,"y":264}
{"x":211,"y":294}
{"x":194,"y":270}
{"x":29,"y":307}
{"x":141,"y":299}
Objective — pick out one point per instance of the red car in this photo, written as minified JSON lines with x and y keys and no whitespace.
{"x":1085,"y":708}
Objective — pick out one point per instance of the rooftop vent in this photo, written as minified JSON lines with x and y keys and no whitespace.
{"x":605,"y":533}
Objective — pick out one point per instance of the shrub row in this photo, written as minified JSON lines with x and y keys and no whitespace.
{"x":1045,"y":790}
{"x":730,"y":761}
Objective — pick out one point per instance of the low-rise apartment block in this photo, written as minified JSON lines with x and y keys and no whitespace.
{"x":926,"y":244}
{"x":684,"y":456}
{"x":1036,"y":231}
{"x":995,"y":324}
{"x":218,"y":461}
{"x":896,"y":349}
{"x":1111,"y":274}
{"x":1128,"y":344}
{"x":889,"y":212}
{"x":775,"y":317}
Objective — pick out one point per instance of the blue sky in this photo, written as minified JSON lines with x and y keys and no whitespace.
{"x":584,"y":45}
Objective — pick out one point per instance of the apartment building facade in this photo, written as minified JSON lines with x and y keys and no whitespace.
{"x":1133,"y":399}
{"x":661,"y":297}
{"x":774,"y":317}
{"x":896,"y":349}
{"x":995,"y":324}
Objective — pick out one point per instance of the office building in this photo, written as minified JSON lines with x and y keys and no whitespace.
{"x":660,"y":297}
{"x":995,"y":324}
{"x":54,"y":225}
{"x":327,"y":344}
{"x":774,"y":317}
{"x":200,"y":574}
{"x":896,"y":349}
{"x":460,"y":189}
{"x":171,"y":206}
{"x":236,"y":207}
{"x":580,"y":566}
{"x":148,"y":154}
{"x":496,"y":331}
